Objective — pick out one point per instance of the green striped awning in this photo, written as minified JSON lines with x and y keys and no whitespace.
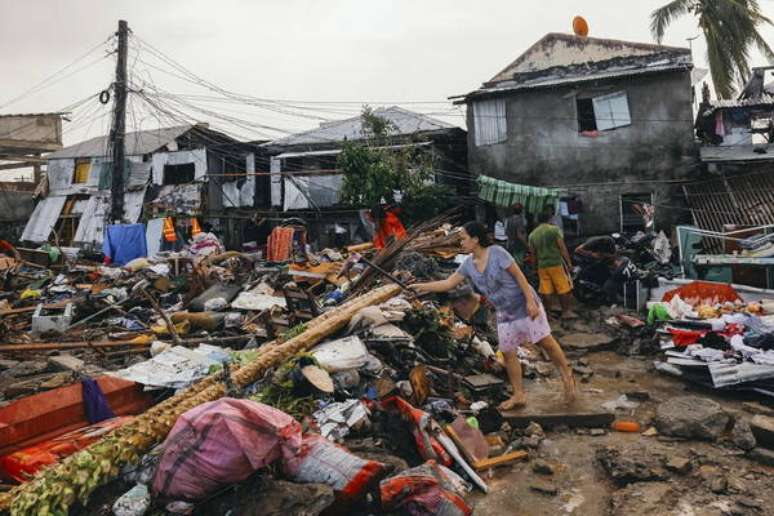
{"x":505,"y":194}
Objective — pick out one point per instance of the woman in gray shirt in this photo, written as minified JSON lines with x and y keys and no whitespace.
{"x":520,"y":314}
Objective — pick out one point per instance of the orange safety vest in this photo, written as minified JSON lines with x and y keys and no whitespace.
{"x":169,"y":230}
{"x":195,"y":229}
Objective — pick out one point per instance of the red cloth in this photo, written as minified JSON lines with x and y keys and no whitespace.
{"x":280,"y":244}
{"x":390,"y":226}
{"x":682,"y":338}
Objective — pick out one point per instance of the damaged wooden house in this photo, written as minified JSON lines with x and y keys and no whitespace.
{"x":180,"y":172}
{"x":306,"y":183}
{"x":595,"y":126}
{"x":23,"y":139}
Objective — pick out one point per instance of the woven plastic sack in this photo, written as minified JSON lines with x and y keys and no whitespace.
{"x":428,"y":446}
{"x":222,"y":442}
{"x":429,"y":489}
{"x":324,"y":462}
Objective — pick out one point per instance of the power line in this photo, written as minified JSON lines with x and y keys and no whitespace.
{"x":50,"y":80}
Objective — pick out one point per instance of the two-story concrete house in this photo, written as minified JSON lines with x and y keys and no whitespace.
{"x":608,"y":123}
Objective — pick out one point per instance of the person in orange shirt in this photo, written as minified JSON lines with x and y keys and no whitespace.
{"x":388,"y":225}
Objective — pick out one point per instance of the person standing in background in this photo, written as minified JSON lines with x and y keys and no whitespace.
{"x":516,"y":233}
{"x":546,"y":243}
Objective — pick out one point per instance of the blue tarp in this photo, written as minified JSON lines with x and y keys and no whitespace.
{"x":124,"y":242}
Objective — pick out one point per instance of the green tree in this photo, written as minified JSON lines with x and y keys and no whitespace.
{"x":382,"y":168}
{"x":730,"y":28}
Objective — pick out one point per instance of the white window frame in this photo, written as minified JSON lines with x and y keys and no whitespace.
{"x":490,"y":122}
{"x":611,"y":111}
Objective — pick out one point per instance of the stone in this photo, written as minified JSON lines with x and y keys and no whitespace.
{"x":597,"y":432}
{"x":650,"y":432}
{"x":544,"y":369}
{"x":8,"y":364}
{"x":544,"y":487}
{"x":583,"y":371}
{"x":583,"y":362}
{"x":762,"y":455}
{"x":28,"y":368}
{"x":750,"y":503}
{"x":586,"y":341}
{"x":22,"y":388}
{"x":643,"y":498}
{"x":638,"y":395}
{"x":691,"y":417}
{"x":533,"y":441}
{"x":681,"y":465}
{"x":742,"y":435}
{"x":266,"y":496}
{"x":506,"y":428}
{"x":542,"y":467}
{"x":66,"y":362}
{"x":718,"y":484}
{"x":763,"y":429}
{"x":57,"y":380}
{"x":534,"y":429}
{"x":757,"y":408}
{"x":629,"y":465}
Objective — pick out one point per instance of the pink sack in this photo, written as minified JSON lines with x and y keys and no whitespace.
{"x":222,"y":442}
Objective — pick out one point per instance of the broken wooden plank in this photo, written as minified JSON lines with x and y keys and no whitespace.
{"x":572,"y":420}
{"x":502,"y":460}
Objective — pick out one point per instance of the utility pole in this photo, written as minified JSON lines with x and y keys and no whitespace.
{"x":119,"y":127}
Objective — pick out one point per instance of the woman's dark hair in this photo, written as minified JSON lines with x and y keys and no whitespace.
{"x":478,"y":230}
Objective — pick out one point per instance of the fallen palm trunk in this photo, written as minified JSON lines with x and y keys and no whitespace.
{"x":55,"y":489}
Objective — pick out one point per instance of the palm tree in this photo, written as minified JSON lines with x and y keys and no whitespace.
{"x":730,"y":28}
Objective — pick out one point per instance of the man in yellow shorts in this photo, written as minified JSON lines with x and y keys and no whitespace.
{"x":547,"y":245}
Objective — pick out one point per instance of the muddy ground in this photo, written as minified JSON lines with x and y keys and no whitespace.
{"x":715,"y":479}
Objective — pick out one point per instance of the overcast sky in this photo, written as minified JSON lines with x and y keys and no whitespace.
{"x":359,"y":51}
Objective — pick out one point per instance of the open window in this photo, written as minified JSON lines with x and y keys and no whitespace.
{"x":604,"y":112}
{"x":630,"y":209}
{"x":179,"y":174}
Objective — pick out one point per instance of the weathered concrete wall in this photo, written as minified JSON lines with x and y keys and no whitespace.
{"x":15,"y":210}
{"x":545,"y":148}
{"x":27,"y":131}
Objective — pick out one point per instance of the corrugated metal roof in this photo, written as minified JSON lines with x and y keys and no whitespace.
{"x":12,"y":115}
{"x":763,"y":100}
{"x":724,"y":154}
{"x":406,"y":122}
{"x":137,"y":143}
{"x":550,"y":81}
{"x":742,"y":200}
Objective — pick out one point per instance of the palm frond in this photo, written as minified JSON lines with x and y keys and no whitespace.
{"x":663,"y":16}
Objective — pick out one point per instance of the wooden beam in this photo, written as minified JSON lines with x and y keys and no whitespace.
{"x":29,"y":145}
{"x":502,"y":460}
{"x":20,"y":164}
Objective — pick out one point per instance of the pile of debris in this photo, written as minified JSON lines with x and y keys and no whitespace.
{"x":711,"y":338}
{"x":109,"y":372}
